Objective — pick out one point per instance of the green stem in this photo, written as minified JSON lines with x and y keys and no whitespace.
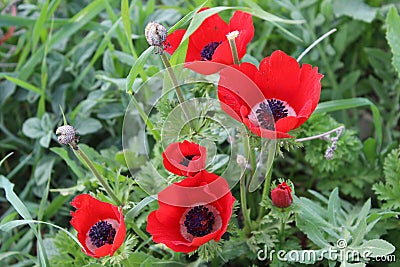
{"x":139,"y":232}
{"x":149,"y":124}
{"x":173,"y":78}
{"x":243,"y":201}
{"x":98,"y":175}
{"x":178,"y":89}
{"x":282,"y":231}
{"x":266,"y":189}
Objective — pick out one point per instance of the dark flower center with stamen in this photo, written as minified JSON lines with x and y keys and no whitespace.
{"x":199,"y":221}
{"x":102,"y":233}
{"x":186,"y":160}
{"x":208,"y":51}
{"x":276,"y":108}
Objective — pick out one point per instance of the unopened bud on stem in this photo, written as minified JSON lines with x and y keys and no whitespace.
{"x":155,"y":34}
{"x":67,"y":135}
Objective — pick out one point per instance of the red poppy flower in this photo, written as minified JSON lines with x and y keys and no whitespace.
{"x":100,"y":225}
{"x":185,"y":159}
{"x":290,"y":94}
{"x":192,"y":212}
{"x":281,"y":196}
{"x":210,"y":44}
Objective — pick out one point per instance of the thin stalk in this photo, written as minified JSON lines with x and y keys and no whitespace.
{"x":243,"y":201}
{"x":173,"y":78}
{"x":339,"y":130}
{"x":139,"y":232}
{"x":178,"y":89}
{"x":98,"y":175}
{"x":266,"y":189}
{"x":282,"y":231}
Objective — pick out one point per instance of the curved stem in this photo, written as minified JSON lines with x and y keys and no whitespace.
{"x":97,"y":175}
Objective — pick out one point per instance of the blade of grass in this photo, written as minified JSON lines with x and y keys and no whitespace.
{"x":39,"y":25}
{"x":75,"y":24}
{"x":24,"y":84}
{"x":22,"y":210}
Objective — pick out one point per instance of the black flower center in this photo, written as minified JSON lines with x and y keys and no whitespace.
{"x":208,"y":51}
{"x":199,"y":221}
{"x":186,"y":160}
{"x":102,"y":233}
{"x":276,"y":108}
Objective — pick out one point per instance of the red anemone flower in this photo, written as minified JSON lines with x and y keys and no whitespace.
{"x":185,"y":158}
{"x":100,"y":225}
{"x":281,"y":196}
{"x":192,"y":212}
{"x":282,"y":97}
{"x":210,"y":44}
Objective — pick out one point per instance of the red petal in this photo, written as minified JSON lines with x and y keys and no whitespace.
{"x":242,"y":22}
{"x":238,"y":81}
{"x":279,"y":77}
{"x":213,"y":29}
{"x":173,"y":40}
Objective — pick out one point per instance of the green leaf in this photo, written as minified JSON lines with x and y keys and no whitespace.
{"x":135,"y":211}
{"x":24,"y":84}
{"x":334,"y":206}
{"x":12,"y":224}
{"x":7,"y":88}
{"x":335,"y":105}
{"x":136,"y":68}
{"x":63,"y":153}
{"x":356,"y":9}
{"x":87,"y":126}
{"x":393,"y":36}
{"x":377,"y":247}
{"x":369,"y":149}
{"x":14,"y":200}
{"x":32,"y":128}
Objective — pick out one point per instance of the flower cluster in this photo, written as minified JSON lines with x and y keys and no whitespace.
{"x":195,"y":210}
{"x":270,"y":100}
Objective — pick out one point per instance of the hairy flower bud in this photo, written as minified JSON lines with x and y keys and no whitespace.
{"x":66,"y":134}
{"x":281,"y":196}
{"x":155,"y":34}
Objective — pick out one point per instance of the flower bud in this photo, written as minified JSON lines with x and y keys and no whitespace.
{"x":155,"y":34}
{"x":66,"y":134}
{"x":282,"y":196}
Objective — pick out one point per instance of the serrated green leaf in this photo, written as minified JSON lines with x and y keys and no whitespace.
{"x":393,"y":36}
